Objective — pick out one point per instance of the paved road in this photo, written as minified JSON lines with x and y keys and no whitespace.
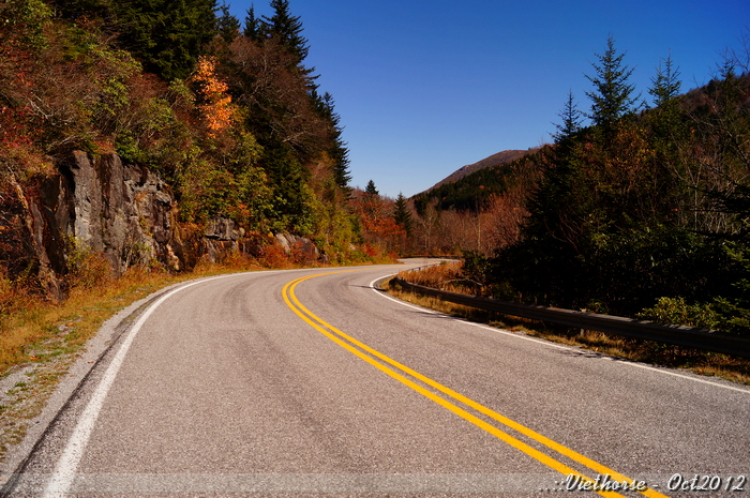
{"x":312,"y":383}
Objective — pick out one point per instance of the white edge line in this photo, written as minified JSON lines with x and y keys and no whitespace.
{"x":65,"y":470}
{"x":558,"y":346}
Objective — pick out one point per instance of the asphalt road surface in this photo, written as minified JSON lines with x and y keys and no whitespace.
{"x":314,"y":383}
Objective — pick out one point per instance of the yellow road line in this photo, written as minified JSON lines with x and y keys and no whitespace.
{"x":292,"y":301}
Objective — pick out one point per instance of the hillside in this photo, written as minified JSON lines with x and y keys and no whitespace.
{"x":472,"y":187}
{"x":503,"y":157}
{"x":160,"y":141}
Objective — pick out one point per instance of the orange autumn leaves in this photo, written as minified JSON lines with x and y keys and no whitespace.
{"x":216,"y":108}
{"x":378,"y":223}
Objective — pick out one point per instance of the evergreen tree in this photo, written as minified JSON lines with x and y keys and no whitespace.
{"x":666,"y":84}
{"x":292,"y":197}
{"x":402,"y":215}
{"x":612,"y":96}
{"x":228,"y":25}
{"x":669,"y":135}
{"x":338,"y":151}
{"x":73,"y":9}
{"x":571,"y":120}
{"x":340,"y":154}
{"x":167,"y":36}
{"x":288,"y":29}
{"x":253,"y":26}
{"x":668,"y":131}
{"x":371,"y":190}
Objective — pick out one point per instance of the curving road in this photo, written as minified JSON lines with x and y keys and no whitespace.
{"x":313,"y":383}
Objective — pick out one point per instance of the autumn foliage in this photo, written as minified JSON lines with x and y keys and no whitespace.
{"x":232,"y":122}
{"x":378,"y":225}
{"x":216,"y":105}
{"x":644,"y":212}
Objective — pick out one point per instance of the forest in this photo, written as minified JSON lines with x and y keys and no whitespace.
{"x":636,"y":208}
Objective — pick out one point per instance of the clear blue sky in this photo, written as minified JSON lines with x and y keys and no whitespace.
{"x":424,"y":87}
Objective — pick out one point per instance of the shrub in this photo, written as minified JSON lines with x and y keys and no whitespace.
{"x":86,"y":268}
{"x":274,"y":256}
{"x":676,"y":311}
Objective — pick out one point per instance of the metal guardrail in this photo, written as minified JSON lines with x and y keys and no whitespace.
{"x":669,"y":334}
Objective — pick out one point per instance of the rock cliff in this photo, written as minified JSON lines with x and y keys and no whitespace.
{"x":124,"y":212}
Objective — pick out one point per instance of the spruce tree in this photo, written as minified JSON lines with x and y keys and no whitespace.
{"x":74,"y":9}
{"x":338,"y":151}
{"x":571,"y":120}
{"x":288,"y":29}
{"x":612,"y":97}
{"x":667,"y":128}
{"x":339,"y":154}
{"x":167,"y":36}
{"x":253,"y":26}
{"x":227,"y":24}
{"x":402,"y":215}
{"x":666,"y":84}
{"x":371,"y":190}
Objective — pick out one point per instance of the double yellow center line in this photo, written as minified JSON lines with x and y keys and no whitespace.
{"x":396,"y":370}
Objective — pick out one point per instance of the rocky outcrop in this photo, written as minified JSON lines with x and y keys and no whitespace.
{"x":290,"y":243}
{"x":129,"y":215}
{"x":299,"y":248}
{"x":122,"y":211}
{"x":220,"y":228}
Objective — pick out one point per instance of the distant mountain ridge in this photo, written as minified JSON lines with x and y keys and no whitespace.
{"x":472,"y":187}
{"x":503,"y":157}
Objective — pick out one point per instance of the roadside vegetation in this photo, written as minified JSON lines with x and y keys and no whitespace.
{"x":227,"y":114}
{"x":455,"y":277}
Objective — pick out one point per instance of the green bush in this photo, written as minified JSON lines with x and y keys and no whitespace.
{"x":676,"y":311}
{"x":26,"y":17}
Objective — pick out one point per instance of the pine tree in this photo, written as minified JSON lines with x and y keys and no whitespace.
{"x":253,"y":26}
{"x":288,"y":29}
{"x":74,"y":9}
{"x":667,"y":127}
{"x":612,"y":96}
{"x":371,"y":190}
{"x":167,"y":36}
{"x":571,"y":120}
{"x":227,"y":24}
{"x":666,"y":84}
{"x":338,"y":151}
{"x":402,"y":215}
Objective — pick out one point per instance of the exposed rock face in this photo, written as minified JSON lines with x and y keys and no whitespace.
{"x":292,"y":243}
{"x":128,"y":214}
{"x":299,"y":248}
{"x":124,"y":211}
{"x":223,"y":229}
